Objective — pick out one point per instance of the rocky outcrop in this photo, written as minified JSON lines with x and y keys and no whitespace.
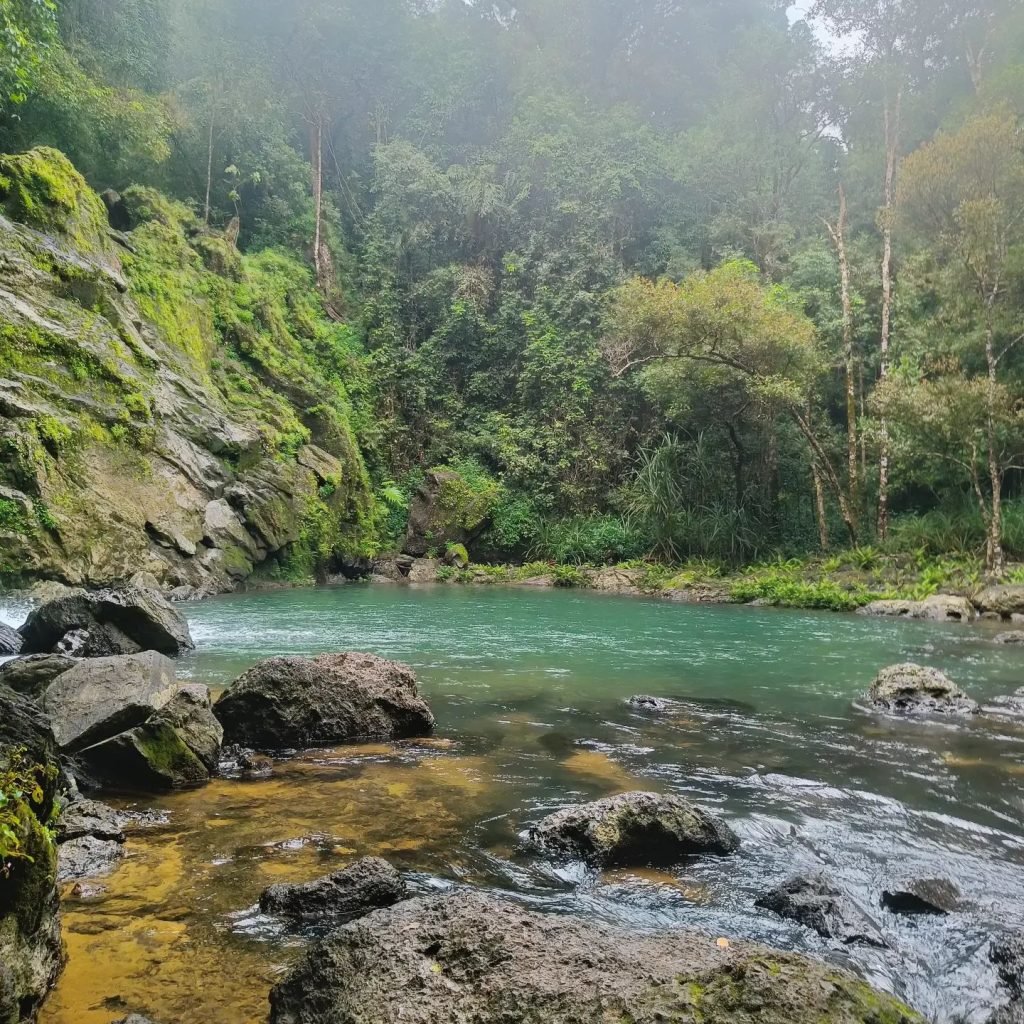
{"x":424,"y":570}
{"x":149,"y":417}
{"x":633,"y":829}
{"x":940,"y":608}
{"x":333,"y":698}
{"x":915,"y":689}
{"x":31,"y":951}
{"x":366,"y":885}
{"x":1013,"y":636}
{"x":10,"y":640}
{"x":466,"y":957}
{"x":934,"y":896}
{"x":105,"y":623}
{"x":33,"y":673}
{"x":1002,"y":600}
{"x":445,"y":510}
{"x":1010,"y":705}
{"x":816,"y":903}
{"x":617,"y":581}
{"x":90,"y":840}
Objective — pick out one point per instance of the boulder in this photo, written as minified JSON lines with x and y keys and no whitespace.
{"x":10,"y":640}
{"x":817,"y":904}
{"x":424,"y":570}
{"x":939,"y":608}
{"x":1012,"y":1013}
{"x":647,"y":703}
{"x":101,"y":697}
{"x":333,"y":698}
{"x":236,"y":760}
{"x":1014,"y":636}
{"x":934,"y":896}
{"x":31,"y":952}
{"x":467,"y":957}
{"x":633,"y":829}
{"x":1004,"y":600}
{"x":1007,"y":953}
{"x":443,"y":511}
{"x":1010,"y":705}
{"x":108,"y":622}
{"x":34,"y":673}
{"x":617,"y":581}
{"x":366,"y":885}
{"x":176,"y":747}
{"x":916,"y":689}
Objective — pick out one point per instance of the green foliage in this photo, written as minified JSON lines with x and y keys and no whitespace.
{"x":587,"y":540}
{"x":26,"y":26}
{"x":457,"y":555}
{"x":779,"y":586}
{"x":21,"y":791}
{"x":568,"y":576}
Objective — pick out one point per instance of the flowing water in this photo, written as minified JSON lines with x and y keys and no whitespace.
{"x":529,"y":689}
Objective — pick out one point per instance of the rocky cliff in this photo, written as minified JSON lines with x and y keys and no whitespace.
{"x":166,"y":404}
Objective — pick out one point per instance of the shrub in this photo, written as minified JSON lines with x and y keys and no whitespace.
{"x":569,"y":576}
{"x":588,"y":540}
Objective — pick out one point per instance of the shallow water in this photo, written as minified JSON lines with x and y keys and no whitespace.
{"x":529,"y":690}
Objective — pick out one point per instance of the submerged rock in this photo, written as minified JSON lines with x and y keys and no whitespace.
{"x":916,"y":689}
{"x":242,"y":760}
{"x":634,"y":829}
{"x":1011,"y":705}
{"x":366,"y":885}
{"x":105,"y":623}
{"x":34,"y":672}
{"x":939,"y":608}
{"x":1014,"y":636}
{"x":1007,"y":953}
{"x":934,"y":896}
{"x":817,"y":904}
{"x":466,"y":957}
{"x":10,"y":639}
{"x":648,"y":703}
{"x":333,"y":698}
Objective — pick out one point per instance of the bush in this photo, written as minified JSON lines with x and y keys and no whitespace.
{"x":783,"y":587}
{"x":569,"y":576}
{"x":588,"y":540}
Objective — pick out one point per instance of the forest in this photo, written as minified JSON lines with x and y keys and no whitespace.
{"x":704,"y":279}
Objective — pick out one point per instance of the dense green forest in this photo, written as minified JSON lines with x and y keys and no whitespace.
{"x":697,"y":279}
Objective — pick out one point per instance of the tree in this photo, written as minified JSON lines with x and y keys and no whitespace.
{"x":729,"y":320}
{"x":963,"y":196}
{"x":26,"y":26}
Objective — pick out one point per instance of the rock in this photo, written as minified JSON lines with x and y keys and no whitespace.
{"x":33,"y":673}
{"x":31,"y":952}
{"x":101,"y":697}
{"x":1013,"y":1013}
{"x":114,"y":622}
{"x":176,"y":747}
{"x":89,"y":818}
{"x":443,"y":511}
{"x":236,"y":759}
{"x":10,"y":640}
{"x":366,"y":885}
{"x":817,"y":904}
{"x":1007,"y":953}
{"x":923,"y":896}
{"x":617,"y":581}
{"x":648,"y":703}
{"x":1004,"y":600}
{"x":333,"y":698}
{"x":466,"y":957}
{"x":134,"y":1018}
{"x":424,"y":570}
{"x":1014,"y":636}
{"x":87,"y":857}
{"x":634,"y":829}
{"x":915,"y":689}
{"x":939,"y":608}
{"x":1011,"y":705}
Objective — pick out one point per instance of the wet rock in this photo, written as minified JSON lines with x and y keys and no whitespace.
{"x":1007,"y":953}
{"x":647,"y":703}
{"x":916,"y":689}
{"x":1013,"y":636}
{"x":366,"y":885}
{"x":1011,"y":705}
{"x":440,"y":514}
{"x":10,"y":640}
{"x":87,"y":857}
{"x":617,"y":581}
{"x":1013,"y":1013}
{"x":333,"y":698}
{"x":633,"y":829}
{"x":939,"y":608}
{"x":241,"y":760}
{"x":89,"y":818}
{"x":33,"y":673}
{"x":177,"y":747}
{"x":134,"y":1018}
{"x":31,"y":952}
{"x":424,"y":570}
{"x":1004,"y":600}
{"x":108,"y":622}
{"x":101,"y":697}
{"x":467,"y":957}
{"x":817,"y":904}
{"x":934,"y":896}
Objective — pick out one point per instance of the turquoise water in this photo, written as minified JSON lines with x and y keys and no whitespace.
{"x":530,"y":691}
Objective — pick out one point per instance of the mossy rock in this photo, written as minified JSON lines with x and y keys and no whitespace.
{"x":43,"y":189}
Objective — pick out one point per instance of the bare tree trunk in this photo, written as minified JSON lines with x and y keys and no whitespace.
{"x":209,"y":166}
{"x":819,"y":506}
{"x":838,"y":233}
{"x":824,"y":466}
{"x":892,"y":136}
{"x":316,"y":148}
{"x":995,"y":560}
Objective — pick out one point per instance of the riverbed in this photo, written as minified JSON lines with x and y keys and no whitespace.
{"x":530,"y":691}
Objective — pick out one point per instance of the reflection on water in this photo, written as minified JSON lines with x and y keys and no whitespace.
{"x":529,"y":690}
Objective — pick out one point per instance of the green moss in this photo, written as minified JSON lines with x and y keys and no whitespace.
{"x":13,"y":518}
{"x":166,"y":754}
{"x":41,"y":188}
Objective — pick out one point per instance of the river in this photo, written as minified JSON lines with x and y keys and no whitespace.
{"x":529,"y":688}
